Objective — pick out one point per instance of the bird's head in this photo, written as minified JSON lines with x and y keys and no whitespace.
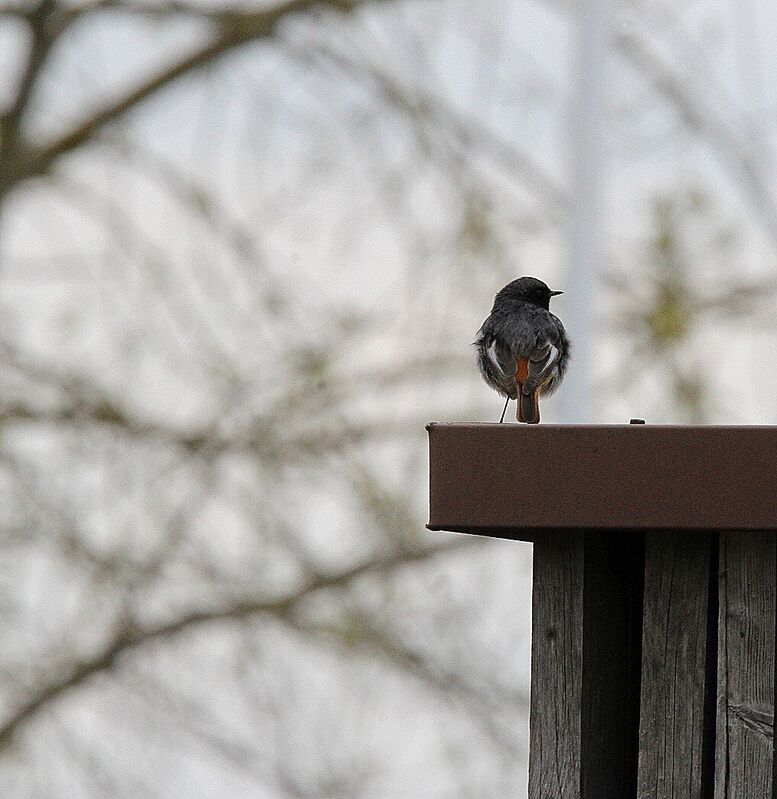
{"x":528,"y":289}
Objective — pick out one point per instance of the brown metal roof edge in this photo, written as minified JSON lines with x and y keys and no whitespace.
{"x":515,"y":480}
{"x":532,"y":533}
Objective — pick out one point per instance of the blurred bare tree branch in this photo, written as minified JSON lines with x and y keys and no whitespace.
{"x":132,"y":636}
{"x":22,"y":160}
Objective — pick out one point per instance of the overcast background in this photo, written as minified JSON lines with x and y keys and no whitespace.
{"x":244,"y":251}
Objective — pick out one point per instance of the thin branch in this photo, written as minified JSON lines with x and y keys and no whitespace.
{"x":470,"y":135}
{"x":131,"y":639}
{"x":42,"y":39}
{"x":732,"y":152}
{"x":387,"y":645}
{"x":234,"y":29}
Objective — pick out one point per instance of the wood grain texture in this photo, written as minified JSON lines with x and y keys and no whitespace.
{"x":744,"y":753}
{"x":677,"y":707}
{"x":585,"y":666}
{"x":556,"y":668}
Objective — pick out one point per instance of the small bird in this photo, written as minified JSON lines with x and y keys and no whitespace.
{"x":523,"y":350}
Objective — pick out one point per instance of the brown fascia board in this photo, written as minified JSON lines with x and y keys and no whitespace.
{"x":517,"y":481}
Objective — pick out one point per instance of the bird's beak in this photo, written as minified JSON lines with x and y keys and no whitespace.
{"x":555,"y":293}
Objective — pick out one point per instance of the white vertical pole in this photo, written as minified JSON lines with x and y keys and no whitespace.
{"x":586,"y":130}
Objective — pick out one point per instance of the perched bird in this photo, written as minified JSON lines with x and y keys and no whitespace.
{"x":522,"y":347}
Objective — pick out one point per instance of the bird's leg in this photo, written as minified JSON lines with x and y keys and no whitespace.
{"x":504,"y":410}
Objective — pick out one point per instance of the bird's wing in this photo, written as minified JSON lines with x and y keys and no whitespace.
{"x":545,"y":362}
{"x":498,"y":352}
{"x":495,"y":359}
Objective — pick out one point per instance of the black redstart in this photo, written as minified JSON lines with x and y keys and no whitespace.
{"x":522,"y":347}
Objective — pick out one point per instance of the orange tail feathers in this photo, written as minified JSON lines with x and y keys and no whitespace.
{"x":528,"y":405}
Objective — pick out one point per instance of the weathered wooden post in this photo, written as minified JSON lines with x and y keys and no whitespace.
{"x":653,"y":638}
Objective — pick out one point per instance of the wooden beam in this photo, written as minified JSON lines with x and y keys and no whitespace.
{"x":556,"y":668}
{"x":746,"y":669}
{"x":585,"y":666}
{"x":676,"y":734}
